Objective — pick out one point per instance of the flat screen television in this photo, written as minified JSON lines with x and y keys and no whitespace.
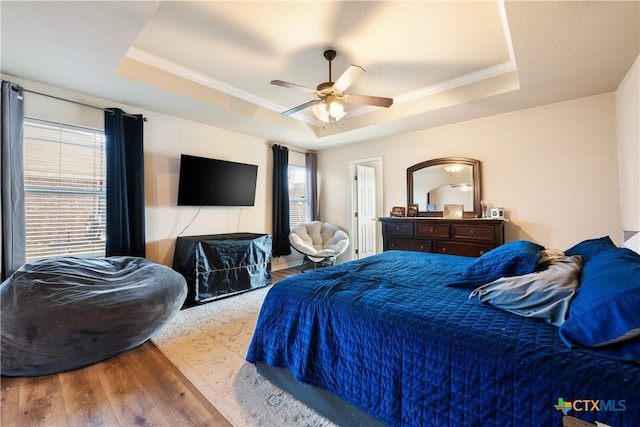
{"x":212,"y":182}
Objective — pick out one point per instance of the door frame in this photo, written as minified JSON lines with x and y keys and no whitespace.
{"x":376,"y":163}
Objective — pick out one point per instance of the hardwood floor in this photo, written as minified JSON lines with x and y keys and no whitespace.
{"x":138,"y":388}
{"x":279,"y":275}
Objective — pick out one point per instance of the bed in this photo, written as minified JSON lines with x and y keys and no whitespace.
{"x":404,"y":337}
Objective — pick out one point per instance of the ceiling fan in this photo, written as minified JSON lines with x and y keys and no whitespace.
{"x":328,"y":107}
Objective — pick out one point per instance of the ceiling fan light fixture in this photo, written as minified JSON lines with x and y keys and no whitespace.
{"x":329,"y":110}
{"x":338,"y":117}
{"x":336,"y":109}
{"x":321,"y":111}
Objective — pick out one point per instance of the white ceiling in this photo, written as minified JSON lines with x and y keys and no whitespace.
{"x":441,"y":61}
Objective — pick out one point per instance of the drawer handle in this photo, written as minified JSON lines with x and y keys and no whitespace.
{"x":397,"y":228}
{"x":472,"y":232}
{"x":393,"y":245}
{"x":481,"y":253}
{"x":422,"y":247}
{"x":444,"y":249}
{"x":431,"y":230}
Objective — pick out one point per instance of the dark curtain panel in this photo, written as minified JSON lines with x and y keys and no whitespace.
{"x":125,"y":184}
{"x":312,"y":185}
{"x":12,"y":208}
{"x":280,"y":201}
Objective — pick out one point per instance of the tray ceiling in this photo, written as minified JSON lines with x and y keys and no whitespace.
{"x":212,"y":62}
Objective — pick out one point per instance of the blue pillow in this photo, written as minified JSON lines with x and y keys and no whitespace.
{"x":511,"y":259}
{"x":590,"y":248}
{"x":604,"y":315}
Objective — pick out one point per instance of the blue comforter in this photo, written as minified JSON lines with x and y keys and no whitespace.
{"x":386,"y":334}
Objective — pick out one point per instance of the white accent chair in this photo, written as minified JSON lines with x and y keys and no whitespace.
{"x":319,"y":242}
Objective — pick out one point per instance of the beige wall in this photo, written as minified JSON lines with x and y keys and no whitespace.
{"x":628,"y":129}
{"x":553,"y":168}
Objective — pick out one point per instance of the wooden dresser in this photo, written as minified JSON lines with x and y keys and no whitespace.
{"x":467,"y":237}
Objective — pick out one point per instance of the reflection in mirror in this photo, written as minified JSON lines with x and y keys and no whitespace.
{"x":435,"y":186}
{"x":451,"y":180}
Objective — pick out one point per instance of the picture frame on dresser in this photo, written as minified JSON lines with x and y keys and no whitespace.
{"x":452,"y":211}
{"x":412,"y":210}
{"x":397,"y":211}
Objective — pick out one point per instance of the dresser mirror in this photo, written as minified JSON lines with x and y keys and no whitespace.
{"x":448,"y":180}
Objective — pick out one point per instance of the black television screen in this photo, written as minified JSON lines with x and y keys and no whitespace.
{"x":212,"y":182}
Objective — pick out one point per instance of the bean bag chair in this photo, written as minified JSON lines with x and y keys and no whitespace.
{"x":64,"y":313}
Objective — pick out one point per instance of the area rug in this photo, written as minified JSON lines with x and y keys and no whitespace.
{"x":208,"y":344}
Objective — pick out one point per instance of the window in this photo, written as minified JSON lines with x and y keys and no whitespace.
{"x":298,"y":201}
{"x":65,"y":195}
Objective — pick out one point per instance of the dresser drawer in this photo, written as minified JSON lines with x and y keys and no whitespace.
{"x":408,"y":245}
{"x":483,"y":233}
{"x":461,"y":248}
{"x":433,"y":230}
{"x":398,"y":228}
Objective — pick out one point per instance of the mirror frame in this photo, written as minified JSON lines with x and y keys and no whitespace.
{"x":477,"y":184}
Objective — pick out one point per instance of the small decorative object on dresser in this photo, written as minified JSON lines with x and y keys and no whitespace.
{"x":497,"y":213}
{"x":412,"y":209}
{"x":467,"y":236}
{"x":397,"y":211}
{"x":484,"y":205}
{"x":452,"y":211}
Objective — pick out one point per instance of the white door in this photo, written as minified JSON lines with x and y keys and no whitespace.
{"x":366,"y":211}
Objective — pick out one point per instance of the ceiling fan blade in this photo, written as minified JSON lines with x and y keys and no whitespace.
{"x":368,"y":100}
{"x":348,"y":77}
{"x":300,"y":107}
{"x":292,"y":86}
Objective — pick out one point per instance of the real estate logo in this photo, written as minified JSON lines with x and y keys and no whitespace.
{"x":588,"y":405}
{"x":563,"y":406}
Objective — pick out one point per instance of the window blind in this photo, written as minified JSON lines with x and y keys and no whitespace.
{"x":298,"y":210}
{"x":65,"y":177}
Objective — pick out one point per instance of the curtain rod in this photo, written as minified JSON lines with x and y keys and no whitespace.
{"x":81,"y":103}
{"x":290,"y":149}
